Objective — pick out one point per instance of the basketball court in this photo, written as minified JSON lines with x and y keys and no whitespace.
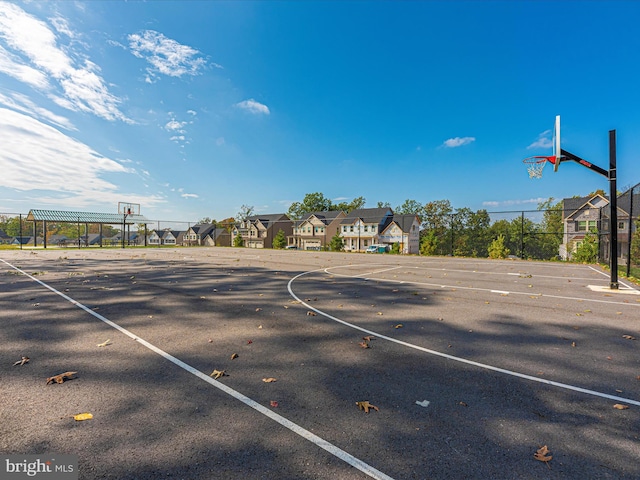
{"x":472,"y":364}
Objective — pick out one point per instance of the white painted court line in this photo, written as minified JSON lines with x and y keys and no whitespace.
{"x":295,"y":428}
{"x":451,"y":357}
{"x":628,"y":288}
{"x":329,"y":271}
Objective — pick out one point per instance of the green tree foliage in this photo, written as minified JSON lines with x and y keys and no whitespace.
{"x":410,"y":207}
{"x":279,"y":241}
{"x":317,"y":202}
{"x":238,"y":241}
{"x":383,"y":205}
{"x":587,"y":250}
{"x":436,"y":222}
{"x":245,"y":212}
{"x":337,"y":243}
{"x":395,"y":248}
{"x":635,"y":245}
{"x":429,"y":243}
{"x":497,"y":248}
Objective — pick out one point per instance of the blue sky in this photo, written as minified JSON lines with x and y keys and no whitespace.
{"x":193,"y":109}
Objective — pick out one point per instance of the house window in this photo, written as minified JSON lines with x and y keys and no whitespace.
{"x":620,"y":225}
{"x":351,"y":229}
{"x":587,"y":226}
{"x":344,"y":229}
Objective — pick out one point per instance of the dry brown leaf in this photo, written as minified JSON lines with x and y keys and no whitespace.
{"x":543,"y":455}
{"x":82,"y":416}
{"x":218,"y":373}
{"x":364,"y":345}
{"x":629,"y":337}
{"x":368,"y":338}
{"x":463,"y":404}
{"x":619,"y":406}
{"x":311,"y":314}
{"x":399,"y":326}
{"x":104,"y":344}
{"x":269,"y":380}
{"x":573,"y":344}
{"x":22,"y":361}
{"x":365,"y":405}
{"x":273,"y":403}
{"x":379,"y":313}
{"x":234,"y":356}
{"x":61,"y":377}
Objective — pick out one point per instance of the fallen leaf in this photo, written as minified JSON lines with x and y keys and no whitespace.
{"x":258,"y":309}
{"x":269,"y":380}
{"x":273,"y":403}
{"x":628,"y":337}
{"x":365,"y":405}
{"x":463,"y":404}
{"x":104,"y":344}
{"x":286,"y":306}
{"x":399,"y":326}
{"x":22,"y":361}
{"x":379,"y":313}
{"x":218,"y":373}
{"x":61,"y":377}
{"x":573,"y":344}
{"x":249,"y":342}
{"x":619,"y":406}
{"x":83,"y":416}
{"x":364,"y":345}
{"x":543,"y":455}
{"x":423,"y":403}
{"x":311,"y":314}
{"x":234,"y":356}
{"x":260,"y":326}
{"x":368,"y":338}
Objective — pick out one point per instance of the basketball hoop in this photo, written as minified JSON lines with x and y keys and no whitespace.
{"x":536,"y":164}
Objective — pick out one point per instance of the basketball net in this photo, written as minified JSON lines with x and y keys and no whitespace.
{"x":535,"y":165}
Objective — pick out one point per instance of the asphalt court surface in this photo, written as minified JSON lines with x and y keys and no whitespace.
{"x":502,"y":356}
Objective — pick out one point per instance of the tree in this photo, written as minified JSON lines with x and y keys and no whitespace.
{"x":205,"y":221}
{"x":395,"y":248}
{"x":429,"y":243}
{"x":354,"y":204}
{"x":497,"y":248}
{"x":410,"y":207}
{"x":384,"y":205}
{"x":245,"y":212}
{"x":313,"y":202}
{"x":337,"y":243}
{"x":279,"y":241}
{"x":238,"y":241}
{"x":587,"y":250}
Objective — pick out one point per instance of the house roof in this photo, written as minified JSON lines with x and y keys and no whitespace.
{"x":368,"y":215}
{"x":572,"y":205}
{"x":405,"y":221}
{"x":84,"y":217}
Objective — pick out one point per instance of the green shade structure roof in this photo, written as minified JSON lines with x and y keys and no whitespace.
{"x":85,"y":217}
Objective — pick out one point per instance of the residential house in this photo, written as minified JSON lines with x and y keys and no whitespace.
{"x":591,"y":214}
{"x":164,"y":237}
{"x":4,"y":238}
{"x":362,"y":227}
{"x":315,"y":230}
{"x":58,"y":240}
{"x":26,"y":240}
{"x":403,"y":230}
{"x":217,"y":237}
{"x":258,"y":231}
{"x":196,"y":234}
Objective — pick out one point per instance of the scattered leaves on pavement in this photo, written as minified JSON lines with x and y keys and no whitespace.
{"x":218,"y":373}
{"x":619,"y":406}
{"x":104,"y":344}
{"x":82,"y":416}
{"x":22,"y":361}
{"x":542,"y":454}
{"x":365,"y":405}
{"x":61,"y":377}
{"x":269,"y":380}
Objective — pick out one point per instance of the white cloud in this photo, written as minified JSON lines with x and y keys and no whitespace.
{"x":544,"y":140}
{"x":253,"y":107}
{"x":458,"y":142}
{"x":192,"y":112}
{"x":165,"y":55}
{"x":22,"y":103}
{"x":175,"y":126}
{"x":58,"y":169}
{"x":189,"y":195}
{"x":37,"y":59}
